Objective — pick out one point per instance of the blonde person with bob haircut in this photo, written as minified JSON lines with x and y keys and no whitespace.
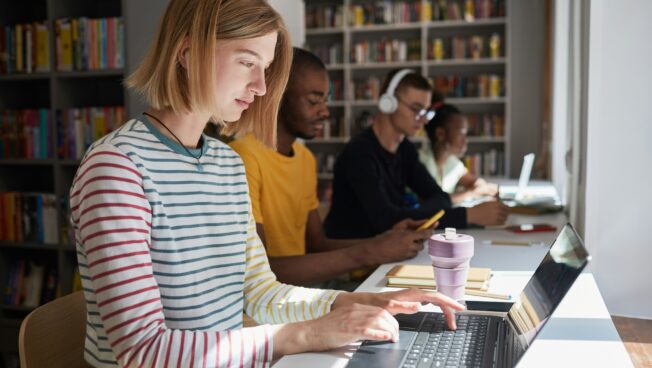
{"x":166,"y":241}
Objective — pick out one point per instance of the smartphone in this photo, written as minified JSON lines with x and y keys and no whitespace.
{"x":531,"y":228}
{"x":431,"y":220}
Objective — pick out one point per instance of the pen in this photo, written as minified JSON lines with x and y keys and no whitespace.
{"x":487,"y":294}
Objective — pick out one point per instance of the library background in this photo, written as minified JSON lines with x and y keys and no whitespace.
{"x":62,"y":65}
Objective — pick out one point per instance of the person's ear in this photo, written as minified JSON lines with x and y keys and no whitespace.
{"x":182,"y":55}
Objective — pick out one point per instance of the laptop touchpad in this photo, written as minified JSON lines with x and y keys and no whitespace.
{"x":383,"y":353}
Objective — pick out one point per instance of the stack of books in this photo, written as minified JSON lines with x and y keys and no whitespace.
{"x":422,"y":277}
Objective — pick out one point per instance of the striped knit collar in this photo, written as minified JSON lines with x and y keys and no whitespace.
{"x":174,"y":145}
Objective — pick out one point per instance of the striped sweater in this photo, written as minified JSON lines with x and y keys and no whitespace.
{"x":170,"y":258}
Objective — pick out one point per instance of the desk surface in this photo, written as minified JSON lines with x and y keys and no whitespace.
{"x":579,"y":334}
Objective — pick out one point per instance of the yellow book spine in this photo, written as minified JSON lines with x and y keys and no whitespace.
{"x":42,"y":48}
{"x":66,"y":45}
{"x":426,"y":14}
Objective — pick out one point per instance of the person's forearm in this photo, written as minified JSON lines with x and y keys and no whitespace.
{"x":313,"y":268}
{"x":333,"y":244}
{"x":291,"y":338}
{"x":458,"y":197}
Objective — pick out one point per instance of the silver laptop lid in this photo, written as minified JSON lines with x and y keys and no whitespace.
{"x":551,"y":281}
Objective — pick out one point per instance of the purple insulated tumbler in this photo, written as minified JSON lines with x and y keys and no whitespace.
{"x":451,"y":253}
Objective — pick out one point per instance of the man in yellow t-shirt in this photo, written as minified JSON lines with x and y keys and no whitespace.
{"x":283,"y":190}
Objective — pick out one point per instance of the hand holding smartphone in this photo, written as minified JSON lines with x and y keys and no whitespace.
{"x":431,"y":220}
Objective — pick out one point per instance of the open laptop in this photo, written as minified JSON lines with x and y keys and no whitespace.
{"x":483,"y":339}
{"x":523,"y":179}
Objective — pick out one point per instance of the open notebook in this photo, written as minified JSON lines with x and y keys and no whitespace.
{"x":422,"y":276}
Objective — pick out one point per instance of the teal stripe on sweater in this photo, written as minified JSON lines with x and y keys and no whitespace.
{"x":191,"y":260}
{"x":204,"y":316}
{"x":203,"y":236}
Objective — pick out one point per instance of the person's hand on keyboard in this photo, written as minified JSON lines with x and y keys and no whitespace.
{"x":403,"y":301}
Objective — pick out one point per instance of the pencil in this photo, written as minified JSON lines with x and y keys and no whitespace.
{"x":507,"y":242}
{"x":487,"y":294}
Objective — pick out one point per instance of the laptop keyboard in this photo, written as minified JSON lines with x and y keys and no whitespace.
{"x":436,"y":346}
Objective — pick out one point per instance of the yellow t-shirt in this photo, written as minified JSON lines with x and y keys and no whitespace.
{"x":283,"y":191}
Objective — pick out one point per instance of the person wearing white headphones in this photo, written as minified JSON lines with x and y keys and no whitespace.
{"x":376,"y":167}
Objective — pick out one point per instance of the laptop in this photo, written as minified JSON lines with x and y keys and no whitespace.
{"x":483,"y":339}
{"x":523,"y":179}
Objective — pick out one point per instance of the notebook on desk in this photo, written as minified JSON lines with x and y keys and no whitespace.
{"x":484,"y":339}
{"x":422,"y":276}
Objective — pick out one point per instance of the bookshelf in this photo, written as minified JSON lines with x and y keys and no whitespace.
{"x":33,"y":164}
{"x":347,"y":35}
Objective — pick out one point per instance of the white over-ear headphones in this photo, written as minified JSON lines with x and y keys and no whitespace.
{"x":387,"y":103}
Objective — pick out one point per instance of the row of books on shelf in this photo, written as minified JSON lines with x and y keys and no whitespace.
{"x":30,"y":283}
{"x":24,"y":48}
{"x":28,"y":217}
{"x":89,"y":44}
{"x":365,"y":89}
{"x":385,"y":51}
{"x":468,"y":10}
{"x":329,"y":53}
{"x":385,"y":12}
{"x":77,"y":128}
{"x":488,"y":163}
{"x":482,"y":85}
{"x":486,"y":125}
{"x":466,"y":47}
{"x":335,"y":92}
{"x":394,"y":12}
{"x":26,"y":134}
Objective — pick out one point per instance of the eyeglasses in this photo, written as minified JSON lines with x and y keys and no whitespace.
{"x":418,"y":113}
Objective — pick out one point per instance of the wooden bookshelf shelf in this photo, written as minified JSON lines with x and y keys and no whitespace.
{"x":90,"y":73}
{"x":26,"y":162}
{"x":387,"y":65}
{"x":385,"y":27}
{"x":324,"y":31}
{"x":464,"y":24}
{"x":29,"y":245}
{"x":24,"y":76}
{"x":467,"y":62}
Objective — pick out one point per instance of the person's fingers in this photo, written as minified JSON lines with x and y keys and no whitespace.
{"x":402,"y":306}
{"x":449,"y":313}
{"x":433,"y":298}
{"x":419,"y":236}
{"x":376,"y":334}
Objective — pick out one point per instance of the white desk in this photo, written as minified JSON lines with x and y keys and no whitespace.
{"x":579,"y":334}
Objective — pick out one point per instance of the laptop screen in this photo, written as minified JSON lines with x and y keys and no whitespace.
{"x":553,"y":278}
{"x":524,"y":178}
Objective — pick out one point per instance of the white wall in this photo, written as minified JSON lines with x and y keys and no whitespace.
{"x":618,"y":212}
{"x":293,"y":12}
{"x":560,"y":96}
